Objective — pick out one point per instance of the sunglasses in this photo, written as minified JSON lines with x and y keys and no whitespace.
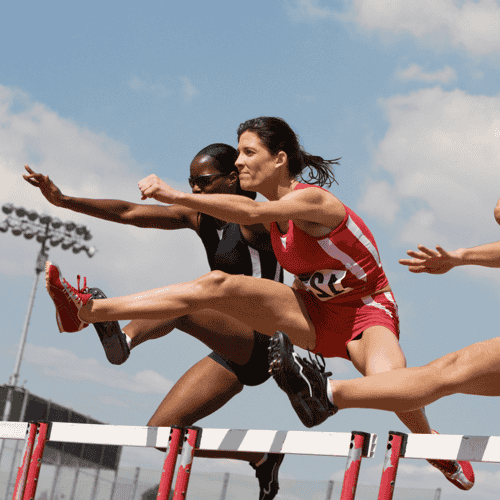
{"x":202,"y":181}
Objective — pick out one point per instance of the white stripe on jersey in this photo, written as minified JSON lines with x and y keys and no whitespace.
{"x":256,"y":267}
{"x":389,"y":296}
{"x":220,"y":232}
{"x":328,"y":246}
{"x":278,"y":272}
{"x":369,"y":301}
{"x":351,"y":225}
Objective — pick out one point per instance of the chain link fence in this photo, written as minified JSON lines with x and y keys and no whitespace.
{"x":73,"y":483}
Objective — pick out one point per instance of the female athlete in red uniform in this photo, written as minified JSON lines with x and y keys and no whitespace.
{"x":472,"y":370}
{"x":341,"y":303}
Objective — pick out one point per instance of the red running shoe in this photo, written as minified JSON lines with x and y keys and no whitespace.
{"x":67,"y":299}
{"x":459,"y":473}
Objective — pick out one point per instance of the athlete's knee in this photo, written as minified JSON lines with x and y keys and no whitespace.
{"x":162,"y":421}
{"x":215,"y":280}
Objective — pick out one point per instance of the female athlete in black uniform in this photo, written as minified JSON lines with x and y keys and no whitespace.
{"x":237,"y":359}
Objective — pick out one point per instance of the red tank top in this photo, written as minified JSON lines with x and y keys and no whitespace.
{"x":343,"y":265}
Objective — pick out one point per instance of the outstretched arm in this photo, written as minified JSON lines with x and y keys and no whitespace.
{"x":123,"y":212}
{"x":440,"y":261}
{"x":314,"y":205}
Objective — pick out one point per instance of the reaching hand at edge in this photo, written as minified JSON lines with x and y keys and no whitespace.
{"x":425,"y":260}
{"x":51,"y":192}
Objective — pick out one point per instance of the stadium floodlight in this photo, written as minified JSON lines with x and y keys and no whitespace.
{"x":80,"y":229}
{"x":56,"y":240}
{"x":45,"y":219}
{"x":20,"y":212}
{"x":48,"y":230}
{"x":17,"y":230}
{"x":8,"y":208}
{"x":56,"y":223}
{"x":70,"y":226}
{"x":67,"y":243}
{"x":90,"y":251}
{"x":32,"y":215}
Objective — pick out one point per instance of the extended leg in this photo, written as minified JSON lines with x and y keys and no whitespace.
{"x":472,"y":370}
{"x":202,"y":390}
{"x":264,"y":305}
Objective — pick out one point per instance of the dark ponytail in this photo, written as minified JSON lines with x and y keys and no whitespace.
{"x":277,"y":135}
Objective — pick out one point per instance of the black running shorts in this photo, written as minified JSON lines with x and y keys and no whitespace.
{"x":256,"y":370}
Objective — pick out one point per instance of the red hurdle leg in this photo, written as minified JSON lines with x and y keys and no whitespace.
{"x":395,"y":448}
{"x":358,"y":441}
{"x":167,"y":475}
{"x":36,"y":461}
{"x":22,"y":472}
{"x":191,"y":442}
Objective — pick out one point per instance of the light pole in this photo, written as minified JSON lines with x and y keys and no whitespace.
{"x":47,"y":231}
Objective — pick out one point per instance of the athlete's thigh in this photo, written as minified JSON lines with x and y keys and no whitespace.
{"x":202,"y":390}
{"x":377,"y":351}
{"x":267,"y":306}
{"x":229,"y":337}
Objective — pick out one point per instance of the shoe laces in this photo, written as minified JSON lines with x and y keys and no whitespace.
{"x":83,"y":289}
{"x":318,"y":363}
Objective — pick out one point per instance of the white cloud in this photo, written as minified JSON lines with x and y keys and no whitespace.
{"x":86,"y":164}
{"x":443,"y":156}
{"x":470,"y":25}
{"x":189,"y":91}
{"x":66,"y":365}
{"x":416,"y":72}
{"x":380,"y":201}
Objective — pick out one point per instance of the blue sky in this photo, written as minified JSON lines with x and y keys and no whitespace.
{"x":100,"y":95}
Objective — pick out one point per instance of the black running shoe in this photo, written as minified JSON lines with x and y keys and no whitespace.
{"x":112,"y":338}
{"x":304,"y":381}
{"x":267,"y":474}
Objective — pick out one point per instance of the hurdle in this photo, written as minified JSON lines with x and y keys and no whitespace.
{"x":353,"y":445}
{"x":434,"y":446}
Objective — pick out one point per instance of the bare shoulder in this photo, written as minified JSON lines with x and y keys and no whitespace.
{"x":312,"y":194}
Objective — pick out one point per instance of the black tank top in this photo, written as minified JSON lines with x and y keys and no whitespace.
{"x":228,"y":251}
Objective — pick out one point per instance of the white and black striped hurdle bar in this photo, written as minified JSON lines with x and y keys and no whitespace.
{"x":434,"y":446}
{"x":354,"y":446}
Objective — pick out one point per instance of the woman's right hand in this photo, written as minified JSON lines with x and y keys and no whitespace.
{"x":51,"y":192}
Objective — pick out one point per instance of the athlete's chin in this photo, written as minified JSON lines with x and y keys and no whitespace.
{"x":246,"y":183}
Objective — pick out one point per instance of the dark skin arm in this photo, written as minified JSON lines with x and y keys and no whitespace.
{"x":123,"y":212}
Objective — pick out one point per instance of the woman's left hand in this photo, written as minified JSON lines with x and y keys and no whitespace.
{"x":153,"y":187}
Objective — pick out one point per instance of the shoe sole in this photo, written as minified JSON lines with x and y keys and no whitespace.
{"x":112,"y":339}
{"x":274,"y":482}
{"x":281,"y":353}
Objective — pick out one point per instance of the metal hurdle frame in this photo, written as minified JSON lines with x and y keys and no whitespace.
{"x":354,"y":446}
{"x":434,"y":446}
